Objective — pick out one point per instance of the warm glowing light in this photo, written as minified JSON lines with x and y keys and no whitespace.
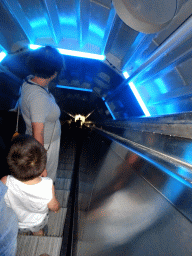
{"x":138,"y":97}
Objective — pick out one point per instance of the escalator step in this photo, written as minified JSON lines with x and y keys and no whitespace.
{"x":62,"y":196}
{"x":56,"y":223}
{"x":35,"y":246}
{"x":66,"y":165}
{"x":66,"y":174}
{"x":62,"y":184}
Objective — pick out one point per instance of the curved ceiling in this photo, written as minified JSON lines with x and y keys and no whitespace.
{"x":147,"y":16}
{"x":91,"y":26}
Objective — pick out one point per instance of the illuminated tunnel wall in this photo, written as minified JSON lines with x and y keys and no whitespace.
{"x":140,"y":90}
{"x":158,"y":64}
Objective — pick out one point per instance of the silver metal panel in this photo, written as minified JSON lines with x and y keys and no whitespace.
{"x":184,"y":69}
{"x":10,"y":25}
{"x":97,"y":24}
{"x":178,"y":125}
{"x":168,"y":157}
{"x":16,"y":8}
{"x":181,"y":17}
{"x":84,"y":200}
{"x":62,"y":184}
{"x":56,"y":223}
{"x":62,"y":196}
{"x":128,"y":214}
{"x":26,"y":245}
{"x":66,"y":173}
{"x":49,"y":245}
{"x":54,"y":20}
{"x":35,"y":246}
{"x":108,"y":28}
{"x":94,"y":27}
{"x":67,"y":13}
{"x":83,"y":9}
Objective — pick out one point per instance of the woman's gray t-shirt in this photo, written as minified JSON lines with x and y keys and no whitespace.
{"x":39,"y":105}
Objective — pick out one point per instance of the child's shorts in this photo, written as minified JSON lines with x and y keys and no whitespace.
{"x":35,"y":228}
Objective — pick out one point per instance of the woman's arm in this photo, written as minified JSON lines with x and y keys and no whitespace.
{"x":54,"y":205}
{"x":38,"y":132}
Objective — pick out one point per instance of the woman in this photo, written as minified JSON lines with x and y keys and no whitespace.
{"x":38,"y":107}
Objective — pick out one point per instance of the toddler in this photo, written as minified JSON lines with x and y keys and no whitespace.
{"x":29,"y":194}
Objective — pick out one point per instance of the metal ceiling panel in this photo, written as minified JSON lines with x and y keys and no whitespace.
{"x":93,"y":26}
{"x":12,"y":28}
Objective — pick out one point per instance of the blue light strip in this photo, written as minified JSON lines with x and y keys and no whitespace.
{"x":73,"y":53}
{"x":34,"y":46}
{"x":2,"y":55}
{"x":74,"y":88}
{"x":81,"y":54}
{"x":110,"y":110}
{"x":138,"y":97}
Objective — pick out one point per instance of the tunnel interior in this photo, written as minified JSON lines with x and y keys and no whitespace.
{"x":127,"y":171}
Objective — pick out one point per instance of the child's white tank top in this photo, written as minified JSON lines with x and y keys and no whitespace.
{"x":29,"y":201}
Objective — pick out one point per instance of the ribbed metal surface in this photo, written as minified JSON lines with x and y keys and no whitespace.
{"x":50,"y":244}
{"x":27,"y":245}
{"x":61,"y":184}
{"x":173,"y":125}
{"x":63,"y":173}
{"x":62,"y":196}
{"x":56,"y":223}
{"x":35,"y":246}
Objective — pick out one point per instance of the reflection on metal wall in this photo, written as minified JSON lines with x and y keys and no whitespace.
{"x":122,"y":207}
{"x":165,"y":142}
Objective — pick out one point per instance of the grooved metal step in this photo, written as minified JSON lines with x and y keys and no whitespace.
{"x":62,"y":184}
{"x":56,"y":222}
{"x":65,"y":166}
{"x":62,"y":196}
{"x":66,"y":174}
{"x":35,"y":246}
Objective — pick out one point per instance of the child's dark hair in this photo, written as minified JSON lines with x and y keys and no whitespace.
{"x":26,"y":158}
{"x":44,"y":62}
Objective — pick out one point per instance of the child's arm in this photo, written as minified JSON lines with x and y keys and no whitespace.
{"x":54,"y":205}
{"x":4,"y":179}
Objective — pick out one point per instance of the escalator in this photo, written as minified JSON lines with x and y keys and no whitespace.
{"x":129,"y":205}
{"x":116,"y":199}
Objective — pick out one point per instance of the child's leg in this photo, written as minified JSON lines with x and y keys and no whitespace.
{"x":39,"y":230}
{"x":38,"y":233}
